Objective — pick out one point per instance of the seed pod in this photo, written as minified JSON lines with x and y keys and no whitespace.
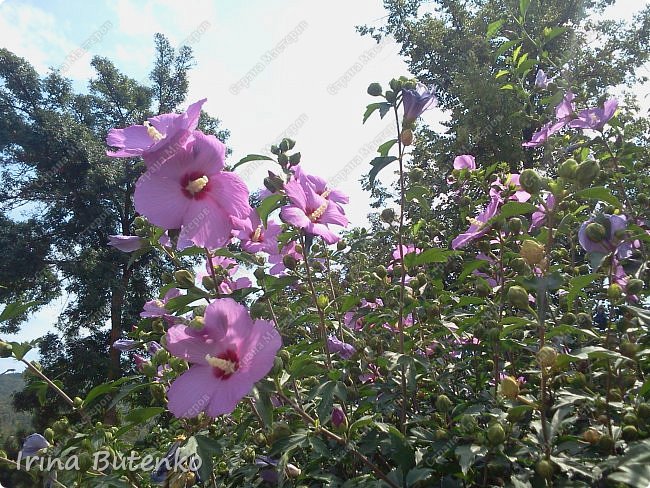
{"x":592,"y":436}
{"x":509,"y":387}
{"x":530,"y":181}
{"x":532,"y":252}
{"x":547,"y":356}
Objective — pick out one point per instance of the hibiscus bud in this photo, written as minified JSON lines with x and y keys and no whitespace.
{"x":628,"y":349}
{"x":518,"y":297}
{"x":273,"y":182}
{"x":298,"y":248}
{"x":614,"y":291}
{"x":322,"y":301}
{"x":290,"y":143}
{"x":509,"y":387}
{"x":85,"y":462}
{"x":391,"y":97}
{"x":341,"y":245}
{"x":49,"y":435}
{"x":388,"y":215}
{"x":275,"y":149}
{"x":289,"y":261}
{"x":496,"y":434}
{"x":207,"y":282}
{"x":294,"y":159}
{"x":283,"y":159}
{"x":530,"y":181}
{"x":546,"y":356}
{"x":567,"y":169}
{"x":248,"y":454}
{"x":197,"y":323}
{"x":407,"y":137}
{"x":339,"y":420}
{"x":595,"y":232}
{"x":468,"y":422}
{"x":5,"y":349}
{"x":643,"y":410}
{"x":634,"y":286}
{"x":587,"y":171}
{"x":544,"y":468}
{"x":375,"y":90}
{"x":443,"y":404}
{"x":259,"y":273}
{"x":568,"y":318}
{"x":515,"y":225}
{"x":520,"y":265}
{"x":381,"y":271}
{"x":592,"y":436}
{"x":583,"y":320}
{"x":184,"y":278}
{"x":78,"y":402}
{"x":532,"y":252}
{"x":630,"y":433}
{"x":292,"y":471}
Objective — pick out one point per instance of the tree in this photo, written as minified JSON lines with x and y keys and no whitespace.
{"x":54,"y":168}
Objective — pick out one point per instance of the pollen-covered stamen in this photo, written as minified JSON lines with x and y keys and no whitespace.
{"x":153,"y":132}
{"x":326,"y":193}
{"x":476,"y":222}
{"x":223,"y":366}
{"x":195,"y":186}
{"x":318,"y":213}
{"x":257,"y":234}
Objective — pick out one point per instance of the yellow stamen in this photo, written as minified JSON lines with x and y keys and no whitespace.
{"x":197,"y":185}
{"x":318,"y":213}
{"x":224,"y":365}
{"x":326,"y":193}
{"x":475,"y":222}
{"x":257,"y":234}
{"x":153,"y":132}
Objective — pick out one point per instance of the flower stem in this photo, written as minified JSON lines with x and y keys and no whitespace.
{"x":321,"y":315}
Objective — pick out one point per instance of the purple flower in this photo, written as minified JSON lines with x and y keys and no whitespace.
{"x":465,"y":161}
{"x":343,"y":349}
{"x":139,"y":362}
{"x":124,"y":345}
{"x":153,"y":347}
{"x":158,"y":138}
{"x":372,"y":375}
{"x":511,"y":184}
{"x":595,"y":118}
{"x":416,"y":101}
{"x":338,"y":416}
{"x":602,"y":235}
{"x":405,"y":250}
{"x":156,"y":308}
{"x":479,"y":225}
{"x":254,"y":236}
{"x":564,"y":112}
{"x":33,"y":444}
{"x":228,"y":356}
{"x":126,"y":243}
{"x":321,"y":187}
{"x":277,"y":259}
{"x":191,"y":192}
{"x":541,"y":80}
{"x":311,"y":212}
{"x":538,"y":218}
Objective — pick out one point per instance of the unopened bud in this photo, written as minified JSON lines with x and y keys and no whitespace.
{"x":207,"y":282}
{"x":532,"y":252}
{"x":387,"y":215}
{"x":515,"y":225}
{"x":443,"y":404}
{"x":595,"y":232}
{"x":289,"y":261}
{"x":5,"y":349}
{"x":546,"y":356}
{"x":567,"y":169}
{"x":509,"y":387}
{"x":294,"y":159}
{"x":407,"y":137}
{"x":184,"y":278}
{"x":518,"y":297}
{"x":339,"y":420}
{"x":614,"y":291}
{"x":634,"y":286}
{"x":322,"y":301}
{"x":530,"y":181}
{"x":587,"y":171}
{"x":496,"y":434}
{"x":375,"y":90}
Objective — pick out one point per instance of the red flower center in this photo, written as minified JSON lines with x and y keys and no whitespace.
{"x":195,"y":185}
{"x":230,"y":364}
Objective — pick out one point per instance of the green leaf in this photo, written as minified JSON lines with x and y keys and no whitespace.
{"x":508,"y":86}
{"x":364,"y":421}
{"x":268,"y":205}
{"x":20,"y":349}
{"x":523,"y":7}
{"x":641,"y":313}
{"x":467,"y":454}
{"x":552,"y":33}
{"x":206,"y":449}
{"x":251,"y":157}
{"x":13,"y":310}
{"x":383,"y":108}
{"x":385,"y":147}
{"x":418,"y":474}
{"x":263,"y":406}
{"x":140,"y":415}
{"x":599,"y":193}
{"x":501,"y":73}
{"x":504,"y":47}
{"x":511,"y":209}
{"x":494,"y":27}
{"x":576,"y":286}
{"x":378,"y":164}
{"x":432,"y":255}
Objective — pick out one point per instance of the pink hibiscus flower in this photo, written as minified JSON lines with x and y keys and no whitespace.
{"x":310,"y":211}
{"x":321,"y":187}
{"x":158,"y":138}
{"x":254,"y":236}
{"x":191,"y":192}
{"x":228,"y":356}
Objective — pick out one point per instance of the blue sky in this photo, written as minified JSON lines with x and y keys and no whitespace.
{"x":314,"y":87}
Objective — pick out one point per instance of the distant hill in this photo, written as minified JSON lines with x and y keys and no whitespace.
{"x":11,"y":421}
